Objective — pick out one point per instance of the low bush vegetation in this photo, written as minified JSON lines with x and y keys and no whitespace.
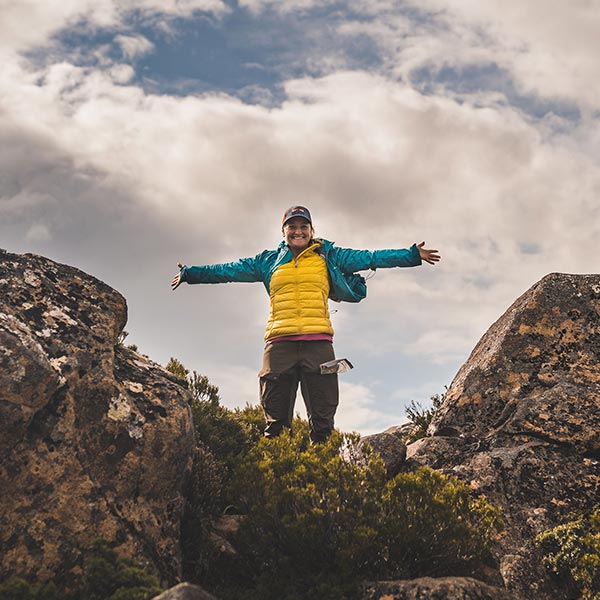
{"x":17,"y":588}
{"x":317,"y":519}
{"x":572,"y":553}
{"x":420,"y":418}
{"x":106,"y":576}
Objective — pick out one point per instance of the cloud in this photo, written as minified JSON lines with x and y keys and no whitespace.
{"x":440,"y":344}
{"x":549,"y":48}
{"x":378,"y":162}
{"x":134,"y":46}
{"x":542,"y":49}
{"x":289,"y":6}
{"x":540,"y":54}
{"x":358,"y":410}
{"x":45,"y":18}
{"x":238,"y":385}
{"x":97,"y":172}
{"x":179,"y":8}
{"x":39,"y":233}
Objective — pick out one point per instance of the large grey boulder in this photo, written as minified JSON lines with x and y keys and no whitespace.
{"x":95,"y":440}
{"x":388,"y":444}
{"x":520,"y":422}
{"x":430,"y":588}
{"x":536,"y":371}
{"x":185,"y":591}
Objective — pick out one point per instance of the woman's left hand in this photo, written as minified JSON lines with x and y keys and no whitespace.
{"x":429,"y":256}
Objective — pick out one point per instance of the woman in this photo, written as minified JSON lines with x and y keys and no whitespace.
{"x":300,"y":276}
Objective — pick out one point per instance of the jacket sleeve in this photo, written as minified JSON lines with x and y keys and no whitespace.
{"x":242,"y":270}
{"x":350,"y":260}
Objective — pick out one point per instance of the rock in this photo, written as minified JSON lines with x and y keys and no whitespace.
{"x":185,"y":591}
{"x":402,"y":431}
{"x":429,"y":588}
{"x":223,"y":534}
{"x":520,"y":422}
{"x":536,"y":371}
{"x":389,"y":445}
{"x":433,"y":452}
{"x":95,"y":440}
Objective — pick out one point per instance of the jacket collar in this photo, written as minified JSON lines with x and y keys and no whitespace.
{"x":283,"y":247}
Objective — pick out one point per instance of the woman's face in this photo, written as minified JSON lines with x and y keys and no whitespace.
{"x":297,"y":233}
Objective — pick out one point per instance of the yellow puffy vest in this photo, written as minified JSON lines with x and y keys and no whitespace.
{"x":298,"y":294}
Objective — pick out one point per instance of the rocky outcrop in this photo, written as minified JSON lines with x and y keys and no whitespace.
{"x":389,"y":444}
{"x":442,"y":588}
{"x":185,"y":591}
{"x":536,"y":371}
{"x":520,"y":422}
{"x":95,"y":440}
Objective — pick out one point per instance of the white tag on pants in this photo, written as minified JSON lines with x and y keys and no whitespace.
{"x":339,"y":365}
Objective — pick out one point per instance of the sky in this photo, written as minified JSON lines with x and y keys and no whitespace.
{"x":136,"y":134}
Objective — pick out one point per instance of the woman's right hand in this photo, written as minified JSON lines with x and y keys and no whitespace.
{"x":177,"y":279}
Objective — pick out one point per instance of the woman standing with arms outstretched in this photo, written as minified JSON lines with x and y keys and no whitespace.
{"x":301,"y":275}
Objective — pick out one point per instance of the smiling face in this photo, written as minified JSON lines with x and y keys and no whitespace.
{"x":297,"y":233}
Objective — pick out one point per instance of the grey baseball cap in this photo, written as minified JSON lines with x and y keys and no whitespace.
{"x":296,"y":211}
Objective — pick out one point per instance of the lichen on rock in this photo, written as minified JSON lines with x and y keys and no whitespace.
{"x":520,"y":422}
{"x":91,"y":444}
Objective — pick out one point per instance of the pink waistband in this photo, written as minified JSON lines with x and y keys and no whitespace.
{"x":307,"y":337}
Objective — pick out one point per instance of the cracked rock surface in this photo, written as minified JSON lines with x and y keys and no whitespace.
{"x":439,"y":588}
{"x":520,"y":422}
{"x":95,"y":440}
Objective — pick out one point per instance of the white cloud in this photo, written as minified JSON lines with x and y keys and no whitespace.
{"x":90,"y":165}
{"x":554,"y":44}
{"x":289,"y":6}
{"x":379,"y":163}
{"x":419,"y":394}
{"x":358,"y":410}
{"x":121,"y":74}
{"x":440,"y":344}
{"x":27,"y":24}
{"x":39,"y":233}
{"x":179,"y":8}
{"x":237,"y":385}
{"x":24,"y":25}
{"x":549,"y":49}
{"x":134,"y":46}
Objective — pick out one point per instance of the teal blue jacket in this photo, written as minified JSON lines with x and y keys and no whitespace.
{"x":342,"y":264}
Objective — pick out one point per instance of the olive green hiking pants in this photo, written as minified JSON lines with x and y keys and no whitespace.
{"x":285,"y":364}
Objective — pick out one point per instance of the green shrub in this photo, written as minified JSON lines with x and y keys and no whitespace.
{"x":421,"y":417}
{"x":16,"y":588}
{"x":222,"y":436}
{"x":109,"y":577}
{"x":432,"y":526}
{"x":316,"y":524}
{"x":106,"y":577}
{"x":572,"y":552}
{"x":318,"y":518}
{"x":227,"y":434}
{"x":223,"y":432}
{"x":204,"y":504}
{"x":199,"y":385}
